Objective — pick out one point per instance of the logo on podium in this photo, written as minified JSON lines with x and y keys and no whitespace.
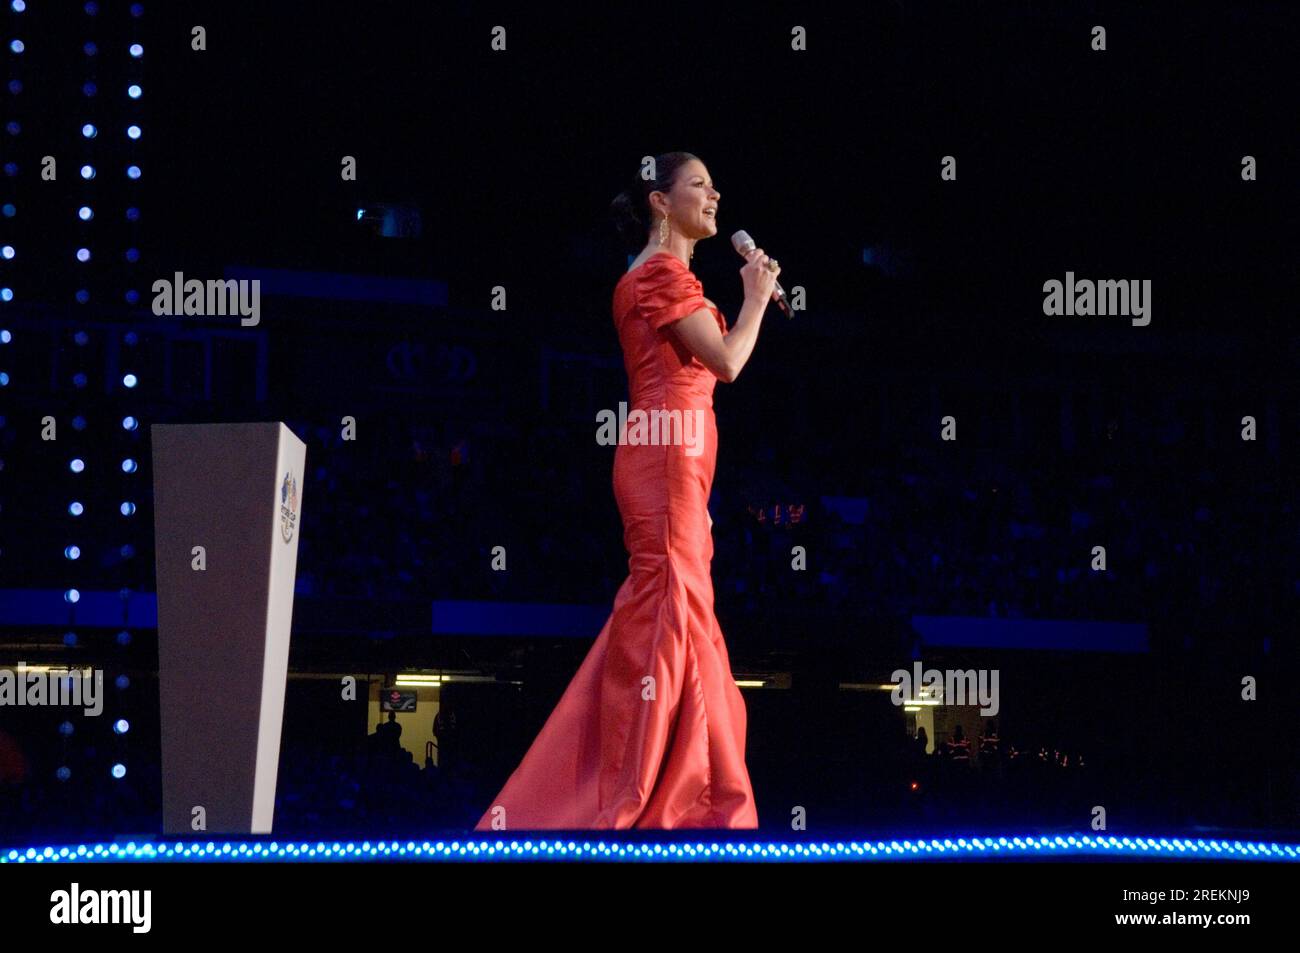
{"x":288,"y":506}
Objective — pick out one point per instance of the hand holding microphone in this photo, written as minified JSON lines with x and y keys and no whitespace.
{"x":759,"y":277}
{"x":759,"y":274}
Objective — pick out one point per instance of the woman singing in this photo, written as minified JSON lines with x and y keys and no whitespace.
{"x":651,"y":731}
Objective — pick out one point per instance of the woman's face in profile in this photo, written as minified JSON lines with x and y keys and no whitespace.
{"x":693,"y":202}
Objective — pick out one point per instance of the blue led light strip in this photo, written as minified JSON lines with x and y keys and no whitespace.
{"x":719,"y":851}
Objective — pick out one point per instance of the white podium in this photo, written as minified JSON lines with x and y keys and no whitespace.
{"x":227,"y":509}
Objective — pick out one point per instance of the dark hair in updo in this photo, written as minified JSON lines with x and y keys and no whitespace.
{"x":631,"y":207}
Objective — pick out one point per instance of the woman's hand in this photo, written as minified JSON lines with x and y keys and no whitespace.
{"x":758,"y":279}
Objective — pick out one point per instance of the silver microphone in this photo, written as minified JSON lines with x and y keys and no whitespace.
{"x":744,"y":245}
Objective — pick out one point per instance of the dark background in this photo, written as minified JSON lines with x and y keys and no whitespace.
{"x":924,"y":299}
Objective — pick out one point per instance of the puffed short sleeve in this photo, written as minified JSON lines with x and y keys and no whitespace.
{"x":668,"y":291}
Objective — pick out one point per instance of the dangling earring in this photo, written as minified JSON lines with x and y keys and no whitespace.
{"x":663,"y":229}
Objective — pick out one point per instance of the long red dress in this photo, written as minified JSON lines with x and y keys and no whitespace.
{"x":651,"y":731}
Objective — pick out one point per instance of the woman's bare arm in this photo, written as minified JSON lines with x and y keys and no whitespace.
{"x":727,"y":356}
{"x":724,"y":356}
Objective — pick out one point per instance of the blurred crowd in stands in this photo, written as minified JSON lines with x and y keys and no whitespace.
{"x":1185,"y":536}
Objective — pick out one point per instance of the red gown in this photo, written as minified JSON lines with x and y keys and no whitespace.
{"x":620,"y":751}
